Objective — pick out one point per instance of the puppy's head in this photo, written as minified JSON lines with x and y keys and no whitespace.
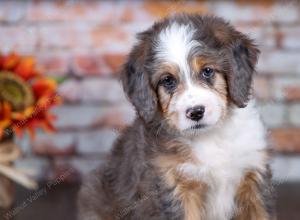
{"x":188,"y":70}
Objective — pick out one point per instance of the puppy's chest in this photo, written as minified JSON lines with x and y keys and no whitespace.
{"x":221,"y":162}
{"x":220,"y":167}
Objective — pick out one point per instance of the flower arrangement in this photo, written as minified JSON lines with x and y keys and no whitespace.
{"x":25,"y":96}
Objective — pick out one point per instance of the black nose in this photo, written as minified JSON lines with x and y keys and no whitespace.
{"x":195,"y":113}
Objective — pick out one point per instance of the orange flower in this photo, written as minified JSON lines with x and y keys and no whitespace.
{"x":5,"y":117}
{"x":39,"y":118}
{"x":9,"y":62}
{"x":43,"y":87}
{"x":26,"y":68}
{"x":34,"y":114}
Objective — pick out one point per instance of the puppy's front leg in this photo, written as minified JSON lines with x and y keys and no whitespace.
{"x":253,"y":198}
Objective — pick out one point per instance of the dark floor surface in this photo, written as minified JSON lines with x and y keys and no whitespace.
{"x":59,"y":203}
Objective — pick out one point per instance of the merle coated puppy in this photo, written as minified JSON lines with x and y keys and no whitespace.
{"x":197,"y":149}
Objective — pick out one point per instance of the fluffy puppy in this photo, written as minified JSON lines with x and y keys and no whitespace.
{"x":197,"y":149}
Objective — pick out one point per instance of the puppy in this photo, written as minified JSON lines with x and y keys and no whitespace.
{"x":197,"y":149}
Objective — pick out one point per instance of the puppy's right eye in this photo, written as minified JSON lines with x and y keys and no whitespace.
{"x":169,"y":82}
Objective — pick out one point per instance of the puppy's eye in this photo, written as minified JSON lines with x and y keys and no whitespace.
{"x":169,"y":82}
{"x":207,"y":72}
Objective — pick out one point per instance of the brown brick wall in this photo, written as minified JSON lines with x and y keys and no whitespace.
{"x":87,"y":41}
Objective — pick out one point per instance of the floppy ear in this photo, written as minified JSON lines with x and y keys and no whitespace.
{"x":137,"y":85}
{"x":243,"y":58}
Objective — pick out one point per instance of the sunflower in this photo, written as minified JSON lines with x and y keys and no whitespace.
{"x":26,"y":96}
{"x":15,"y":91}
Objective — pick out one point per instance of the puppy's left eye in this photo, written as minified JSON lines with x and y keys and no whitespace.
{"x":207,"y":72}
{"x":169,"y":82}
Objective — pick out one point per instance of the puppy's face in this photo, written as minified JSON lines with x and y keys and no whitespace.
{"x":188,"y":70}
{"x":189,"y":80}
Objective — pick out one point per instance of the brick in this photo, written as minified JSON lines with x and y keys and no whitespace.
{"x":22,"y":39}
{"x":70,"y":90}
{"x":97,"y":141}
{"x":257,"y":13}
{"x":12,"y":12}
{"x":116,"y":117}
{"x":264,"y":36}
{"x":294,"y":115}
{"x":273,"y":114}
{"x":88,"y":64}
{"x":75,"y":116}
{"x":130,"y":13}
{"x":286,"y":88}
{"x":102,"y":90}
{"x":135,"y":27}
{"x":39,"y":167}
{"x":85,"y":165}
{"x":56,"y":144}
{"x":54,"y":64}
{"x":45,"y":11}
{"x":290,"y":37}
{"x":262,"y":89}
{"x":64,"y":36}
{"x":245,"y":13}
{"x":111,"y":38}
{"x":285,"y":168}
{"x":289,"y":62}
{"x":286,"y":140}
{"x":87,"y":117}
{"x":102,"y":12}
{"x":63,"y":172}
{"x":285,"y":12}
{"x":114,"y":61}
{"x":165,"y":8}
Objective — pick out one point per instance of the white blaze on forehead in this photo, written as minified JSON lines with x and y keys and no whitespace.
{"x":174,"y":45}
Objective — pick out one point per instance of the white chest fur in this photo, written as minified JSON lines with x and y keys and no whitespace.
{"x":224,"y":155}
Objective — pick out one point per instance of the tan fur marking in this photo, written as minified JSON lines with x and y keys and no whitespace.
{"x":190,"y":193}
{"x":163,"y":69}
{"x":220,"y":85}
{"x":164,"y":99}
{"x":200,"y":62}
{"x":249,"y":203}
